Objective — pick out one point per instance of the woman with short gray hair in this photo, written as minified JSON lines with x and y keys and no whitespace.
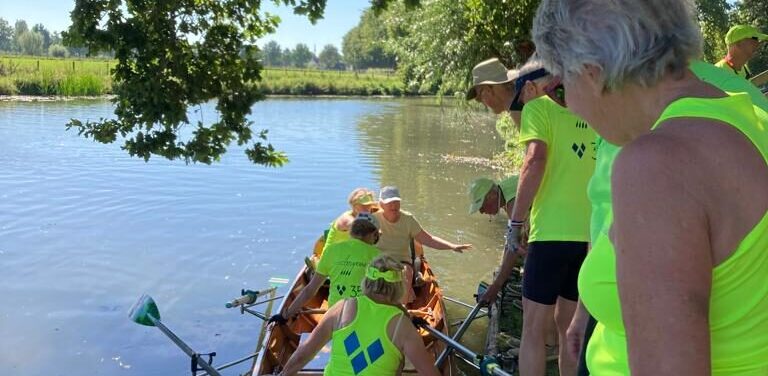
{"x":678,"y":287}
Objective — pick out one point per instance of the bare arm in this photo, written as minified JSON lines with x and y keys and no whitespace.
{"x":531,"y":174}
{"x":317,"y":339}
{"x":414,"y":350}
{"x":431,"y":241}
{"x":663,"y":259}
{"x":508,"y":262}
{"x":306,"y":293}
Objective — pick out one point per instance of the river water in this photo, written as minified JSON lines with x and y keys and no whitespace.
{"x":85,"y":229}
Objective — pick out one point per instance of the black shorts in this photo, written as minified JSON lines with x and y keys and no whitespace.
{"x":551,"y":270}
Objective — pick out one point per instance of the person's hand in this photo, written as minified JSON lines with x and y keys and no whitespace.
{"x":574,"y":336}
{"x":514,"y":236}
{"x":278,"y":319}
{"x":489,"y":296}
{"x":460,"y":248}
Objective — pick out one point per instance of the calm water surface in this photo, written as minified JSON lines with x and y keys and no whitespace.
{"x":85,"y":229}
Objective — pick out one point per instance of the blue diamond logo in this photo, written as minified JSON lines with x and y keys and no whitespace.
{"x":359,"y":363}
{"x":375,"y":350}
{"x":352,"y":343}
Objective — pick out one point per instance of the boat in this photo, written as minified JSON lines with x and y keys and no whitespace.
{"x":280,"y":341}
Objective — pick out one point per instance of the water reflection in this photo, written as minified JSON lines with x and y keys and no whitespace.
{"x":85,"y":229}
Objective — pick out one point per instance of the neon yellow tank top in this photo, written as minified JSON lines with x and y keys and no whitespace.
{"x":363,"y":347}
{"x":334,"y":234}
{"x":738,"y":315}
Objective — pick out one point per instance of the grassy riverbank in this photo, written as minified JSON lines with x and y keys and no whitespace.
{"x":32,"y":75}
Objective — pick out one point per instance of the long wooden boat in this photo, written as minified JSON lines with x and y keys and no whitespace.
{"x":280,"y":341}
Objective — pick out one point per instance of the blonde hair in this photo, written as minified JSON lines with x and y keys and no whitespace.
{"x":630,"y":41}
{"x":392,"y":291}
{"x":357,"y":194}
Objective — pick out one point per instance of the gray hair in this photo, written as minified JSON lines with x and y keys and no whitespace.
{"x":533,"y":64}
{"x":631,"y":41}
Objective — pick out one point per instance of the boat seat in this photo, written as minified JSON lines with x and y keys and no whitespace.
{"x":321,"y":359}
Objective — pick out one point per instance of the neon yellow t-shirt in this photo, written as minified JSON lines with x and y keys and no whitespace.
{"x":344,"y":263}
{"x":743,"y":72}
{"x":396,"y":237}
{"x":561,"y":208}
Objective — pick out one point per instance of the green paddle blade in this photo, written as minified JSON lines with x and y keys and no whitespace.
{"x":144,"y":308}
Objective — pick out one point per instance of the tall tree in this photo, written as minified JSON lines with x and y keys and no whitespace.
{"x":329,"y":57}
{"x":364,"y":46}
{"x":19,"y":28}
{"x":40,"y":28}
{"x":30,"y":43}
{"x":301,"y":55}
{"x":6,"y":35}
{"x":273,"y":54}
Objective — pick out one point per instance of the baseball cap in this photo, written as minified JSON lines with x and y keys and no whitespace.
{"x":741,"y":32}
{"x":477,"y":191}
{"x":489,"y":72}
{"x":389,"y":194}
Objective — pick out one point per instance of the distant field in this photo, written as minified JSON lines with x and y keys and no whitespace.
{"x":31,"y":75}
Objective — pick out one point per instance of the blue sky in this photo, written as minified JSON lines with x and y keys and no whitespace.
{"x":340,"y":16}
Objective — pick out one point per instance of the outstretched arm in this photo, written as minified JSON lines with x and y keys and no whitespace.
{"x":531,"y":175}
{"x":414,"y":350}
{"x":431,"y":241}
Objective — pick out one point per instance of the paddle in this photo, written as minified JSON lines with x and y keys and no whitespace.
{"x":487,"y":365}
{"x":760,"y":79}
{"x":145,"y":312}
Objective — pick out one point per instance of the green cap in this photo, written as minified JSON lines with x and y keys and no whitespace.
{"x":477,"y":191}
{"x":741,"y":32}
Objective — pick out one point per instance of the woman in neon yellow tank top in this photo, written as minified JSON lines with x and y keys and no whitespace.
{"x":370,"y":334}
{"x":361,"y":200}
{"x":678,"y":283}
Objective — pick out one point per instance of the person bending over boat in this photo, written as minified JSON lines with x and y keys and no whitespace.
{"x":371,"y":334}
{"x":676,"y":277}
{"x":344,"y":263}
{"x":398,"y":230}
{"x":361,"y":200}
{"x":488,"y":197}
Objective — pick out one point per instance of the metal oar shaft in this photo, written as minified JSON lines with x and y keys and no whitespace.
{"x":464,"y":351}
{"x":183,"y":346}
{"x":459,"y":333}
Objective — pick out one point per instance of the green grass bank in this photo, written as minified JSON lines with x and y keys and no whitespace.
{"x":69,"y":77}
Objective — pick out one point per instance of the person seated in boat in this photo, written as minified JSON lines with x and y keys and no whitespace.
{"x":344,"y":263}
{"x":398,"y":229}
{"x":361,"y":200}
{"x":370,"y":334}
{"x":488,"y":197}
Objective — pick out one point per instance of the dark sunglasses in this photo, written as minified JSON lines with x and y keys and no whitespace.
{"x":517,"y":105}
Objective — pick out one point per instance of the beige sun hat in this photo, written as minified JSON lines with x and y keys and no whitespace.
{"x":489,"y":72}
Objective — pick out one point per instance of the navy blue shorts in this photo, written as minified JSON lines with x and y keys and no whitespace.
{"x":552,"y":271}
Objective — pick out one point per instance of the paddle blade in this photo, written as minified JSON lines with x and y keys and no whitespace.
{"x":277,"y":281}
{"x":144,"y":308}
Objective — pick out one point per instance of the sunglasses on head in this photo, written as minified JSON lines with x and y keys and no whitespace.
{"x":517,"y":104}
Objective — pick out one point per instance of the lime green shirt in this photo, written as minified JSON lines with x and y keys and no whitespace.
{"x":508,"y":187}
{"x":743,"y":72}
{"x":739,"y":298}
{"x":344,"y":263}
{"x":336,"y":235}
{"x":560,"y":210}
{"x":363,"y":347}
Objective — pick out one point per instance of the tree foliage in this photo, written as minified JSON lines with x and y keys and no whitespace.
{"x":330,"y":58}
{"x":57,"y":50}
{"x":273,"y":54}
{"x":30,"y":43}
{"x":40,"y":28}
{"x":6,"y":35}
{"x":301,"y":55}
{"x":364,"y":46}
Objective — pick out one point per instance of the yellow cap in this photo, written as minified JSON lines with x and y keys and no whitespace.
{"x":477,"y":191}
{"x":741,"y":32}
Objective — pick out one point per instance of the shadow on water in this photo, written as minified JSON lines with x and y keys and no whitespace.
{"x":85,"y":229}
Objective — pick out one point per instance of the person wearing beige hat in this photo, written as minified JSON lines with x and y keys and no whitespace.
{"x":493,"y":85}
{"x":742,"y":41}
